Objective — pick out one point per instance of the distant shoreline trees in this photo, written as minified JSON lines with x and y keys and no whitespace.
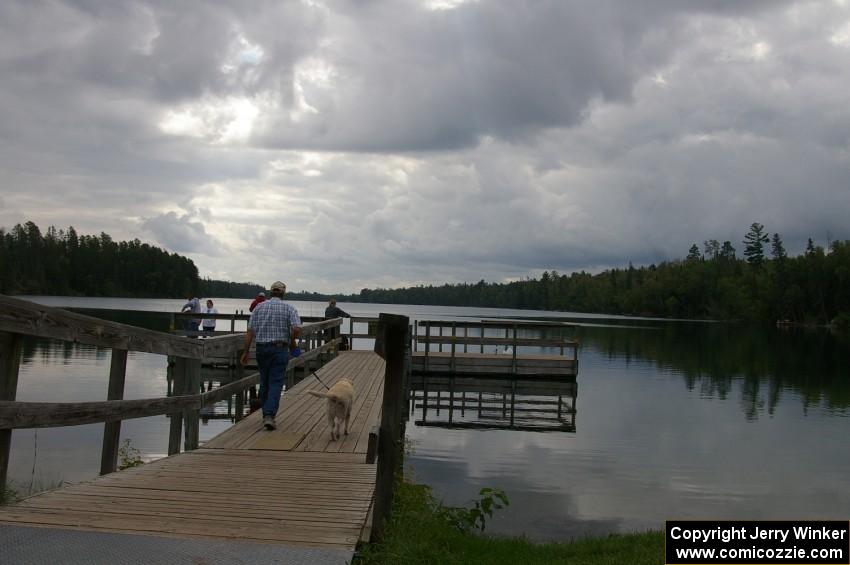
{"x":64,"y":263}
{"x":813,"y":287}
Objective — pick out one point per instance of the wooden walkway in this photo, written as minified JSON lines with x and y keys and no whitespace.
{"x":290,"y":486}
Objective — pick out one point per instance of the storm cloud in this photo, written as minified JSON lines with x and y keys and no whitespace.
{"x":387,"y":143}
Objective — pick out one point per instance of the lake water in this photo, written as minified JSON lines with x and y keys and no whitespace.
{"x":674,"y":420}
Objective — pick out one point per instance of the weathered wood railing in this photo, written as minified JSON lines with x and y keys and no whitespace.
{"x":386,"y":443}
{"x":20,"y":317}
{"x":178,"y":323}
{"x":441,"y":332}
{"x":506,"y":341}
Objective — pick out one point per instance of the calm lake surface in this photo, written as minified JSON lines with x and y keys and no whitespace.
{"x":674,"y":420}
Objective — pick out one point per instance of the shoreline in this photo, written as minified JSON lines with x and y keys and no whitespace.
{"x":421,"y":530}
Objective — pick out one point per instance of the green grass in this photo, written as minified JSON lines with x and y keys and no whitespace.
{"x":14,"y":492}
{"x":8,"y":495}
{"x":419,"y":533}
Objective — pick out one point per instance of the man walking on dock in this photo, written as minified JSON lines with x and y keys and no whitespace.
{"x":275,"y":325}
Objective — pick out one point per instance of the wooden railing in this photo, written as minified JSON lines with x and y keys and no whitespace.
{"x":20,"y":317}
{"x":178,"y":321}
{"x":439,"y":333}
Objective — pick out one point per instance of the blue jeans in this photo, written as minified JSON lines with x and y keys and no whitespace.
{"x":271,"y":361}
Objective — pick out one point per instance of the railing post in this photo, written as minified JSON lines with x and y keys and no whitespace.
{"x":112,"y":430}
{"x":454,"y":335}
{"x":290,"y":378}
{"x":192,"y":415}
{"x":10,"y":360}
{"x":427,"y":343}
{"x":390,"y":344}
{"x":513,"y":360}
{"x":240,"y":396}
{"x":178,"y":378}
{"x":408,"y":360}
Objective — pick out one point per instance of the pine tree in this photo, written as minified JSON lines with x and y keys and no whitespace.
{"x":712,"y":248}
{"x":777,"y":250}
{"x":727,"y":251}
{"x":810,"y":248}
{"x":693,"y":253}
{"x":754,"y":244}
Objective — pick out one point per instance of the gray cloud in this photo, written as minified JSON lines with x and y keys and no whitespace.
{"x":183,"y":233}
{"x":343,"y":145}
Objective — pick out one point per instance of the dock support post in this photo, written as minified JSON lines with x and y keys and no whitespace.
{"x":390,"y":344}
{"x":192,"y":415}
{"x":372,"y":446}
{"x":112,"y":430}
{"x":10,"y":360}
{"x":178,"y":379}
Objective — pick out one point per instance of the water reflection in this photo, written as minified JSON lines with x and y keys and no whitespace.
{"x":54,"y":351}
{"x":678,"y":420}
{"x":211,"y":379}
{"x":754,"y":433}
{"x":525,"y":404}
{"x":715,"y":359}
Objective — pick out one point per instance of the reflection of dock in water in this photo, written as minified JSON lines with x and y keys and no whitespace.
{"x":493,"y":375}
{"x":494,"y":403}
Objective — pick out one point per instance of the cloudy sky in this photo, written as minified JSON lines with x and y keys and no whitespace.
{"x":343,"y":144}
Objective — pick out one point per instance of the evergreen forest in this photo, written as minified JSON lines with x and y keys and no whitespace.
{"x":711,"y":282}
{"x":65,"y":263}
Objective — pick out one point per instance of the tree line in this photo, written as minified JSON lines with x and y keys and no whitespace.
{"x":711,"y":282}
{"x":63,"y":262}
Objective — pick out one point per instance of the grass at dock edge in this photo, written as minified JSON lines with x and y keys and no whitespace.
{"x":419,"y":534}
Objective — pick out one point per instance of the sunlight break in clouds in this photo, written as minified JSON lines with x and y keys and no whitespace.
{"x":219,"y":121}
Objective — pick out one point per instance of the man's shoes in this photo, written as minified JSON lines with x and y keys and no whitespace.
{"x":268,"y":422}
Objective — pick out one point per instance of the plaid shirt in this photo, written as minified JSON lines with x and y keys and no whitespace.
{"x":270,"y":321}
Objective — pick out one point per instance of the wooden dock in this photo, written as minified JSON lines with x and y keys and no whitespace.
{"x":291,"y":495}
{"x":293,"y":485}
{"x":248,"y":489}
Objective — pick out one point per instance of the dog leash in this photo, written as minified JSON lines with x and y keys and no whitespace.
{"x":320,"y":380}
